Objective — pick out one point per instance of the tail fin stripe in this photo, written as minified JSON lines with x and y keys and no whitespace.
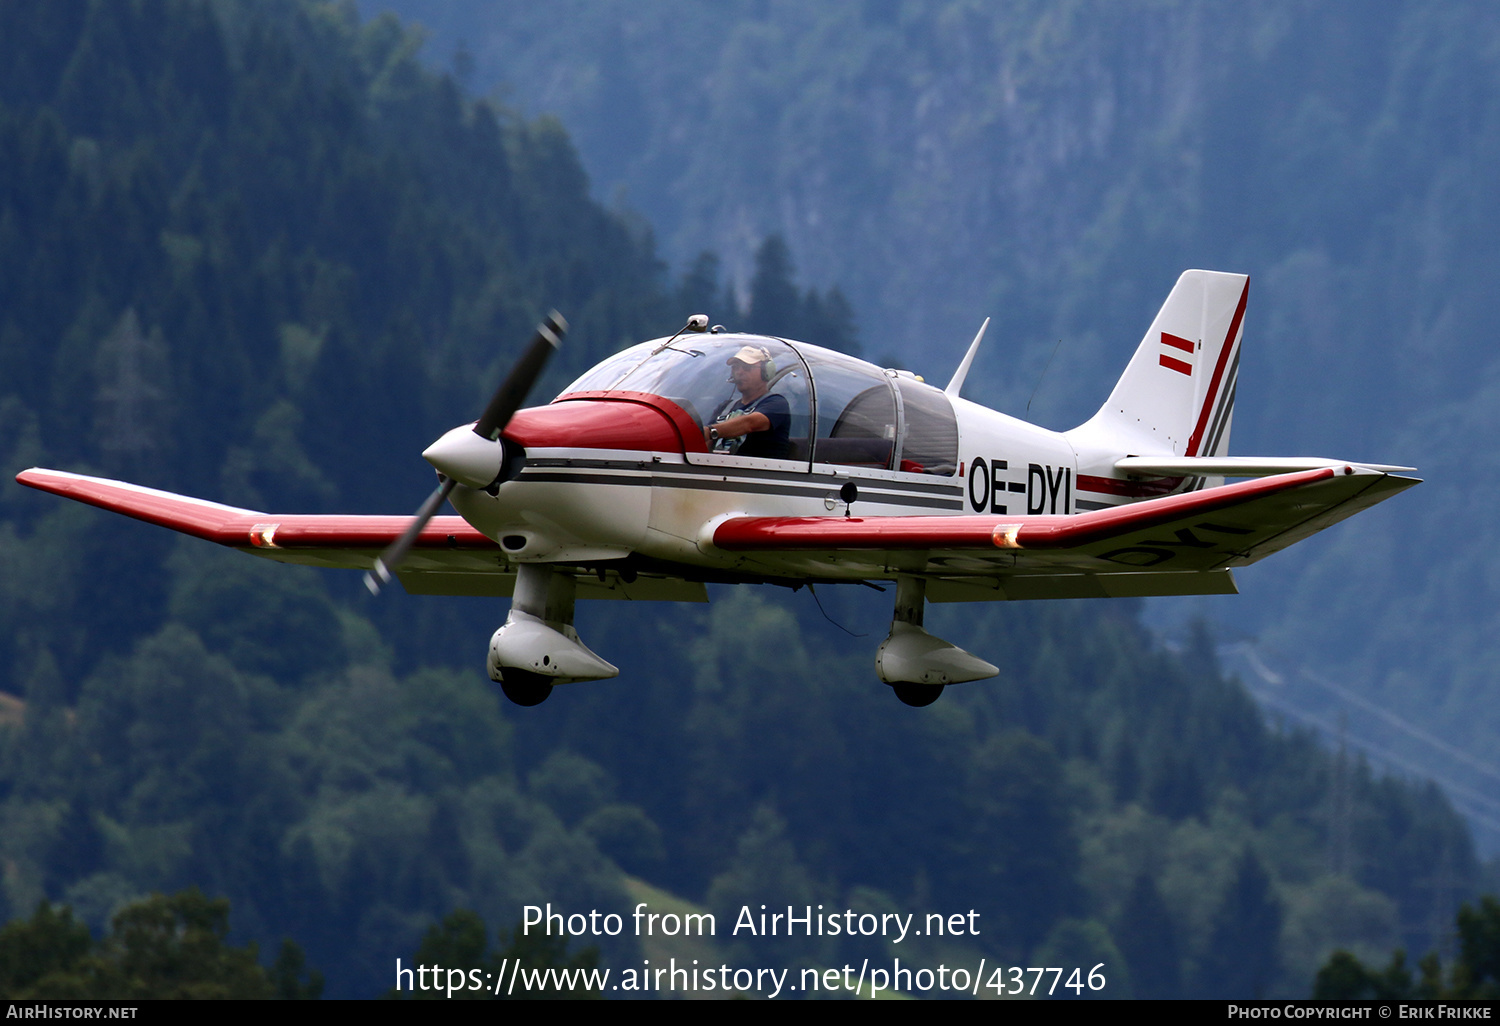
{"x":1221,"y":418}
{"x":1177,"y":365}
{"x":1212,"y":449}
{"x":1213,"y":387}
{"x":1186,"y":345}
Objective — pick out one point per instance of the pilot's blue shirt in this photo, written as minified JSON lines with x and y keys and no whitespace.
{"x":775,"y":442}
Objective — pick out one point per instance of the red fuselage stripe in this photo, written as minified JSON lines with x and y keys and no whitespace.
{"x":1134,"y":489}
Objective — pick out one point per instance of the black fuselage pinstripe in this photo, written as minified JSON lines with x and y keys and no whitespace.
{"x":792,"y":484}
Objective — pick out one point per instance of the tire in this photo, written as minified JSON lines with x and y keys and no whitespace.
{"x":524,"y":687}
{"x":918,"y":694}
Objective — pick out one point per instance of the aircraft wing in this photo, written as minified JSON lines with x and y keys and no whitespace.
{"x":1173,"y":545}
{"x":449,"y":557}
{"x":349,"y":541}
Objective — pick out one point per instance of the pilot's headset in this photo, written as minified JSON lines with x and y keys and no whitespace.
{"x":756,"y":355}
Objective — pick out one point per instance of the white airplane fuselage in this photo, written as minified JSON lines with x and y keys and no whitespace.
{"x":581,"y":505}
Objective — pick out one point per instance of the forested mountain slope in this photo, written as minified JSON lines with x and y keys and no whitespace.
{"x":1055,"y":166}
{"x":256,"y":252}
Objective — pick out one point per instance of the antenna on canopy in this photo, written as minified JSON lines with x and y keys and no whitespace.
{"x":963,"y":368}
{"x":695,"y":323}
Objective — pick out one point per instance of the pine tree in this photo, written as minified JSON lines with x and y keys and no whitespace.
{"x":775,"y":305}
{"x":1147,"y":938}
{"x":829,"y":321}
{"x":1241,"y":959}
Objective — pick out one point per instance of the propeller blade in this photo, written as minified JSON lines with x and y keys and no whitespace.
{"x":392,"y":558}
{"x":512,"y":391}
{"x":502,"y":406}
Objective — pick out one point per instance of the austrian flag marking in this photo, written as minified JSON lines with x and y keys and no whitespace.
{"x":1172,"y":362}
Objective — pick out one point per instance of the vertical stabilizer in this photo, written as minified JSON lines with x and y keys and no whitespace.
{"x":1176,"y":397}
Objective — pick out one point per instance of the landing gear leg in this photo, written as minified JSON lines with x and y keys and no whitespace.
{"x":538,"y":647}
{"x":917,"y":665}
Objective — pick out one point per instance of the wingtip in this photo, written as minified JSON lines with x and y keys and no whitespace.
{"x":45,"y":480}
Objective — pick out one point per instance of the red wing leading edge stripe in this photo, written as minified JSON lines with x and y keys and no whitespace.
{"x":243,"y":528}
{"x":986,"y":532}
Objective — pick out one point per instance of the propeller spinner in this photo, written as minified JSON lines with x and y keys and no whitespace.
{"x":474,"y":456}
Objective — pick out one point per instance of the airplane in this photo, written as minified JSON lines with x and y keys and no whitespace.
{"x":640,"y":482}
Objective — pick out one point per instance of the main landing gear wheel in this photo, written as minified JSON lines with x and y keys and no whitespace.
{"x":916,"y":694}
{"x":526,"y":688}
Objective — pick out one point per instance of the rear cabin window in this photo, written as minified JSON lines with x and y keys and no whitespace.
{"x":929,"y":442}
{"x":856,"y":413}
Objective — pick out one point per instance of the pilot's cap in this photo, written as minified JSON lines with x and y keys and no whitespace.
{"x":750,"y":356}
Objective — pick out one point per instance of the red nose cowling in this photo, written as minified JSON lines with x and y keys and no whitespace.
{"x":608,"y":420}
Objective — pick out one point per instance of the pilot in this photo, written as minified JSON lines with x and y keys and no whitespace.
{"x":760,"y":422}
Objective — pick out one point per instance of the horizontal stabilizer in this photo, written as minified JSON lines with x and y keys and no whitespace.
{"x":1241,"y":466}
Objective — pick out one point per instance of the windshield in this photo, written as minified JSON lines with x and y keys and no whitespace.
{"x":856,"y":404}
{"x":693,"y":372}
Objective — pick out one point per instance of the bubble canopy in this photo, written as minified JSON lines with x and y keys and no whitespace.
{"x":843,"y":411}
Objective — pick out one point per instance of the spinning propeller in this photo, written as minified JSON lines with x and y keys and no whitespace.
{"x":474,"y":456}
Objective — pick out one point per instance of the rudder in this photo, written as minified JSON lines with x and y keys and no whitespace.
{"x":1176,"y":396}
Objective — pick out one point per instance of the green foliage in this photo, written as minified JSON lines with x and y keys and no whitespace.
{"x":173,"y":947}
{"x":1477,"y":973}
{"x":1345,"y":978}
{"x":1085,"y":944}
{"x":1148,"y":942}
{"x":1474,"y":975}
{"x":291,"y":978}
{"x":778,"y":307}
{"x":161,"y":947}
{"x":1242,"y":950}
{"x":49,"y":944}
{"x":765,"y":863}
{"x":460,"y":943}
